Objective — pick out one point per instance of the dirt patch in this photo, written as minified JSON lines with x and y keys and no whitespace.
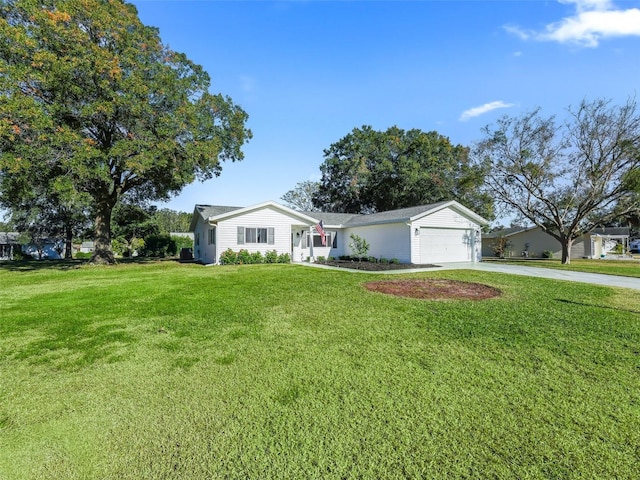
{"x":434,"y":289}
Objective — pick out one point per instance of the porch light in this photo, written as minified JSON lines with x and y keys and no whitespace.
{"x":416,"y":232}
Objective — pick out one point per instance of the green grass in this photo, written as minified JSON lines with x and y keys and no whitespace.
{"x":279,"y":371}
{"x":625,"y":268}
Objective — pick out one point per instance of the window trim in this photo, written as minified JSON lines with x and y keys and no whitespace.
{"x":258,"y":233}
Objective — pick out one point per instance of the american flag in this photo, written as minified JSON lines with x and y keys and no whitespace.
{"x":320,"y":230}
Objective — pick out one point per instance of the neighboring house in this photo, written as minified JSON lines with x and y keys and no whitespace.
{"x":535,"y":242}
{"x":86,"y":246}
{"x":9,"y":244}
{"x":437,"y":233}
{"x":49,"y":248}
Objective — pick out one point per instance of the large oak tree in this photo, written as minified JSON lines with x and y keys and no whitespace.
{"x":566,"y":177}
{"x":370,"y":171}
{"x":90,"y":93}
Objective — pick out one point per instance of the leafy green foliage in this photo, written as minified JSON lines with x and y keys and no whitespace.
{"x":244,"y":257}
{"x":284,"y":258}
{"x":182,"y":242}
{"x":228,"y":257}
{"x":370,"y":171}
{"x":91,"y":95}
{"x":271,"y":257}
{"x":359,"y":246}
{"x":170,"y":221}
{"x":159,"y":246}
{"x":130,"y":225}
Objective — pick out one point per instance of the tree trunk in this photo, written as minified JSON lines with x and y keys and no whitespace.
{"x":102,"y":252}
{"x":68,"y":243}
{"x":566,"y":250}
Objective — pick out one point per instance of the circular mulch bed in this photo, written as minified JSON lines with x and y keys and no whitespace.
{"x":434,"y":289}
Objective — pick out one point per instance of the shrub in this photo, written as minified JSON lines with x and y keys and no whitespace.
{"x":158,"y":246}
{"x":256,"y":257}
{"x":547,"y":254}
{"x":331,"y":259}
{"x":284,"y":258}
{"x":372,"y":259}
{"x":20,"y":255}
{"x":395,"y":261}
{"x":271,"y":257}
{"x":359,"y":246}
{"x":229,"y":257}
{"x":244,"y":257}
{"x":384,"y":260}
{"x":320,"y":259}
{"x":82,"y":255}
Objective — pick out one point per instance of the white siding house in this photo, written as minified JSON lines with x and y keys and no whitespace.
{"x":436,"y":233}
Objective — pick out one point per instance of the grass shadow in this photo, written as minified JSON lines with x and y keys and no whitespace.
{"x":48,"y":264}
{"x":603,"y":307}
{"x":35,"y":265}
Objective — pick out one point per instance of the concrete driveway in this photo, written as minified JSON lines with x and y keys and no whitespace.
{"x":594,"y":278}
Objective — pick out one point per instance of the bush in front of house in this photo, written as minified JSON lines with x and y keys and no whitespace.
{"x":284,"y":258}
{"x":244,"y":257}
{"x":547,"y":254}
{"x":271,"y":256}
{"x":228,"y":257}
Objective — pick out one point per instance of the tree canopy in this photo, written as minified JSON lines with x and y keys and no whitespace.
{"x":91,"y":95}
{"x":370,"y":171}
{"x":566,"y":177}
{"x":301,"y":197}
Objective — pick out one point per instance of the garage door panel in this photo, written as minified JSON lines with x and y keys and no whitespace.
{"x":445,"y":245}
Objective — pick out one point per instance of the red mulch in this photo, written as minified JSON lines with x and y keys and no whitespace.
{"x":434,"y":289}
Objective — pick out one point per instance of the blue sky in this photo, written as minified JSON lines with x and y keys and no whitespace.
{"x":308,"y":72}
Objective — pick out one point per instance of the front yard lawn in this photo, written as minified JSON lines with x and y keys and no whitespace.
{"x":179,"y":371}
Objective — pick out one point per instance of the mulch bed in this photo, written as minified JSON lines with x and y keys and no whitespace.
{"x":374,"y":266}
{"x":434,"y":289}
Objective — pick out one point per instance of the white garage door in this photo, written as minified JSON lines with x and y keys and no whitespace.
{"x":445,"y":245}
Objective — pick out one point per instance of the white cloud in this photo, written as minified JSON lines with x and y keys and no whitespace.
{"x":482,"y":109}
{"x":593,"y":21}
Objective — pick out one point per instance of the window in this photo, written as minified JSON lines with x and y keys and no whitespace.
{"x":256,"y":235}
{"x":212,"y":236}
{"x":317,"y":239}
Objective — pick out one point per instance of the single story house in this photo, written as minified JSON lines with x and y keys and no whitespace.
{"x":9,"y":244}
{"x":535,"y":242}
{"x":45,"y":248}
{"x":441,"y":232}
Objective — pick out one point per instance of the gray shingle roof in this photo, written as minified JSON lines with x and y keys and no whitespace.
{"x":336,"y":219}
{"x":390,"y":216}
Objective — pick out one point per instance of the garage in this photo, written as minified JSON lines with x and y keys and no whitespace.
{"x":439,"y":245}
